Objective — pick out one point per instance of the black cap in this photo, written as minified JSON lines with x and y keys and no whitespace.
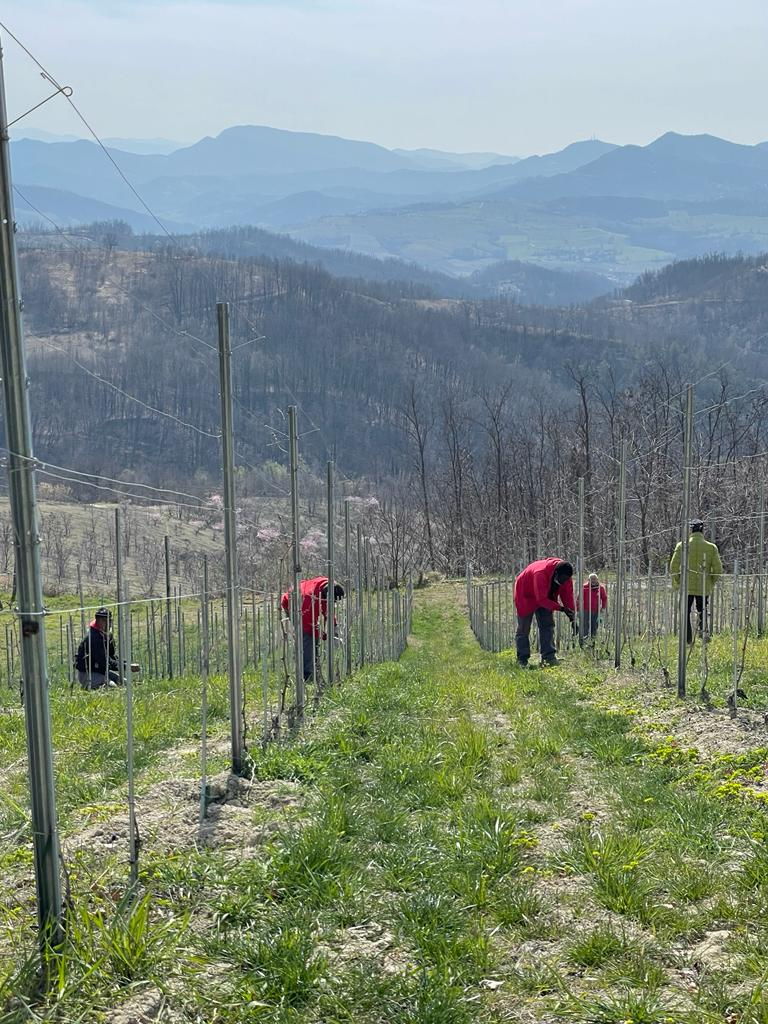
{"x":697,"y":524}
{"x":103,"y":613}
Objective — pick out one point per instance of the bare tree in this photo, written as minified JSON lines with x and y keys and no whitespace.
{"x":419,"y":423}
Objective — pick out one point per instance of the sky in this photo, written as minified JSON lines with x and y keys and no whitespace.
{"x":510,"y":76}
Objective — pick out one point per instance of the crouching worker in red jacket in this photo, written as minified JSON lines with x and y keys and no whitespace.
{"x":542,"y":588}
{"x":314,"y":608}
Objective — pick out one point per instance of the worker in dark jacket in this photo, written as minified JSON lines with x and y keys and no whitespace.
{"x":314,"y":612}
{"x":96,"y":660}
{"x":542,"y":588}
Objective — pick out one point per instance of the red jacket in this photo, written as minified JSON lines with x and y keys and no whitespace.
{"x":313,"y":607}
{"x":594,"y":600}
{"x":532,"y":588}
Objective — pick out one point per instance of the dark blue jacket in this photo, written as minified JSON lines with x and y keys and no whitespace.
{"x":102,"y":652}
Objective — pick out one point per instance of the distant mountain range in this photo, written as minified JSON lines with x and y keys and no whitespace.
{"x":695,"y":168}
{"x":227,"y":179}
{"x":630,"y":209}
{"x":438,"y":159}
{"x":37,"y":206}
{"x":612,"y":210}
{"x":128,"y":145}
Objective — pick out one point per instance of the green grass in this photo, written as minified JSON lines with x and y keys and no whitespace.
{"x":89,"y":738}
{"x":472,"y":843}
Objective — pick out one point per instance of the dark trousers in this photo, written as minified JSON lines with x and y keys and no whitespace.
{"x":546,"y":623}
{"x":310,"y":650}
{"x":701,"y":607}
{"x":589,"y":623}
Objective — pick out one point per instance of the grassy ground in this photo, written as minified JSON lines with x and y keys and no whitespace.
{"x":451,"y":839}
{"x":89,"y":740}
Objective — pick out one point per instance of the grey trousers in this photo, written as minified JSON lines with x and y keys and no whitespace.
{"x":546,"y":623}
{"x":98,"y":679}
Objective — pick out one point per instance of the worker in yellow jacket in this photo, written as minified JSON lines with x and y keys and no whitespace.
{"x":704,"y":570}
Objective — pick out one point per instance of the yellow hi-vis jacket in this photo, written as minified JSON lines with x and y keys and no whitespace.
{"x":704,"y":565}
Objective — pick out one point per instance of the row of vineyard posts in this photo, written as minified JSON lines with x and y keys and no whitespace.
{"x":189,"y":634}
{"x":641,"y":626}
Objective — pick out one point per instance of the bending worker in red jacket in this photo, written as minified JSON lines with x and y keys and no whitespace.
{"x":594,"y":600}
{"x":542,"y":588}
{"x":314,"y":607}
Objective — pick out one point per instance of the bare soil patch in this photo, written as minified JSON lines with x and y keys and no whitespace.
{"x":369,"y":941}
{"x":167,"y":815}
{"x":142,"y":1008}
{"x":709,"y":729}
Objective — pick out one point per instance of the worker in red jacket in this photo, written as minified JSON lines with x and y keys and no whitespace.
{"x":314,"y":611}
{"x":542,"y":588}
{"x":594,"y":600}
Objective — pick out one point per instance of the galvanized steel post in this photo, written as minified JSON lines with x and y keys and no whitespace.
{"x":683,"y":613}
{"x":735,"y":637}
{"x":31,"y":610}
{"x":361,"y":625}
{"x":621,"y":526}
{"x":293,"y":451}
{"x":761,"y":565}
{"x":330,"y":605}
{"x":348,"y":585}
{"x":124,"y":668}
{"x":230,"y":541}
{"x":580,"y":575}
{"x":168,"y":619}
{"x":205,"y":666}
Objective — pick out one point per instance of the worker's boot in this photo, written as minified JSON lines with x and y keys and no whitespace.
{"x":550,"y":662}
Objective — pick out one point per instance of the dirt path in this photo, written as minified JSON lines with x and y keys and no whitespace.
{"x":641,"y":810}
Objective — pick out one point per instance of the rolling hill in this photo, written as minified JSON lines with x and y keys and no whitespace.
{"x":632,"y":208}
{"x":347,"y":351}
{"x":693,"y":168}
{"x":523,"y":283}
{"x":264,"y":176}
{"x":438,"y":159}
{"x":614,"y":211}
{"x":36,"y":206}
{"x":461,"y":238}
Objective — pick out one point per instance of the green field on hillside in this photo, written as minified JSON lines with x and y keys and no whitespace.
{"x":471,"y":236}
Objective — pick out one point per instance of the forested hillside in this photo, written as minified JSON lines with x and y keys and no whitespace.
{"x":345,"y":350}
{"x":476,"y":416}
{"x":524,"y":282}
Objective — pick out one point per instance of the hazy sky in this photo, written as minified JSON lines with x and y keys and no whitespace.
{"x":514,"y":76}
